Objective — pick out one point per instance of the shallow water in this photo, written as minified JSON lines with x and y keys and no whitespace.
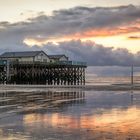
{"x":100,"y":75}
{"x":70,"y":115}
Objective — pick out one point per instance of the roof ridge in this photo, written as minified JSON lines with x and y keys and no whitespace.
{"x":55,"y":54}
{"x":22,"y":51}
{"x":22,"y":54}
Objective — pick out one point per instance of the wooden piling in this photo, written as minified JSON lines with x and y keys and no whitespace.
{"x":45,"y":74}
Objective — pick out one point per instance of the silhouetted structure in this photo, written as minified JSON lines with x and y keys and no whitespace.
{"x":37,"y":67}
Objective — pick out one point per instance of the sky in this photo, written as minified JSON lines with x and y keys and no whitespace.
{"x":100,"y":32}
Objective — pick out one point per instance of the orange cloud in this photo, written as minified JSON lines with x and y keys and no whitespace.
{"x":31,"y":41}
{"x":87,"y":34}
{"x":102,"y":32}
{"x":105,"y":32}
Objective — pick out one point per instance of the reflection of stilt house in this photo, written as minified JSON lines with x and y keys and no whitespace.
{"x":30,"y":102}
{"x":36,"y":67}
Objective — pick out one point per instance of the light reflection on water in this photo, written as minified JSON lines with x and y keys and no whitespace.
{"x":70,"y":115}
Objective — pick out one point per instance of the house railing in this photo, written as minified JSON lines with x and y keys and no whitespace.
{"x":76,"y":63}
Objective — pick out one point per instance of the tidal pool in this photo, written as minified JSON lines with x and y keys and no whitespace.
{"x":70,"y":115}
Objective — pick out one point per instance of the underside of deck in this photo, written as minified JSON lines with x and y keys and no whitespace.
{"x":43,"y":73}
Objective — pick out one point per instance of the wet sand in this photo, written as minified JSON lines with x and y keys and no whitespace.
{"x":70,"y":115}
{"x":104,"y":87}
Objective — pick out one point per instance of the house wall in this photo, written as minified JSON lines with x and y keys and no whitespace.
{"x":52,"y":60}
{"x":25,"y":59}
{"x":42,"y":57}
{"x":63,"y":58}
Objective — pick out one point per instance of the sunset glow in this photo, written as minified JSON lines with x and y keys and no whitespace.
{"x":38,"y":24}
{"x":115,"y":120}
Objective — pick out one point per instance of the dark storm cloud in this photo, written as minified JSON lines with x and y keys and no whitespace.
{"x":100,"y":17}
{"x":94,"y":54}
{"x":78,"y":19}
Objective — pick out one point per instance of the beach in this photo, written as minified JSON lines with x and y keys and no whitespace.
{"x":46,"y":113}
{"x":98,"y":87}
{"x":106,"y":107}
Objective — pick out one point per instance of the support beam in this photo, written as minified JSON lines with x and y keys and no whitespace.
{"x":44,"y":74}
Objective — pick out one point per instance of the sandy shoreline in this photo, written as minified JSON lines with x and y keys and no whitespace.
{"x":113,"y":87}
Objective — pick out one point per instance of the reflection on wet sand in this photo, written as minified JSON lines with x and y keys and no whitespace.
{"x":11,"y":136}
{"x":18,"y":106}
{"x":117,"y":122}
{"x":12,"y":102}
{"x":70,"y":116}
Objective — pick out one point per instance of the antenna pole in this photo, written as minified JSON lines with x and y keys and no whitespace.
{"x":132,"y":76}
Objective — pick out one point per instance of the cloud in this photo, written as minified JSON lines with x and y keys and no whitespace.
{"x":92,"y":53}
{"x":84,"y":21}
{"x":75,"y":23}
